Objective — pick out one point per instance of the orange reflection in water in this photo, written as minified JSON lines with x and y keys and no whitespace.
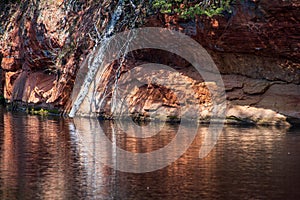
{"x":44,"y":158}
{"x":35,"y":157}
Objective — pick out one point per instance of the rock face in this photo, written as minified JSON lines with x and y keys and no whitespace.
{"x":31,"y":42}
{"x":256,"y":48}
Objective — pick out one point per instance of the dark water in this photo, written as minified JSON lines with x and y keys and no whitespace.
{"x":47,"y":158}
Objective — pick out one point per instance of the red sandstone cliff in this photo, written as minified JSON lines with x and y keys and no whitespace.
{"x":256,"y":48}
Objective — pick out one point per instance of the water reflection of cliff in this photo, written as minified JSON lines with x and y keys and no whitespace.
{"x":245,"y":159}
{"x":37,"y":159}
{"x":59,"y":159}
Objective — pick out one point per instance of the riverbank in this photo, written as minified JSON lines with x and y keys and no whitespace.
{"x":242,"y":116}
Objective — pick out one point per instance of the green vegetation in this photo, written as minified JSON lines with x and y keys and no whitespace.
{"x":173,"y":119}
{"x":188,"y":9}
{"x":42,"y":111}
{"x":37,"y":112}
{"x":32,"y":109}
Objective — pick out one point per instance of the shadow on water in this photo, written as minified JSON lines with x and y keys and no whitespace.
{"x":55,"y":158}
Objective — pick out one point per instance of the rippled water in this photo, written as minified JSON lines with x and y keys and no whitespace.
{"x":55,"y":158}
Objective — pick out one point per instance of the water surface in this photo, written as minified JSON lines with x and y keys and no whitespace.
{"x":48,"y":158}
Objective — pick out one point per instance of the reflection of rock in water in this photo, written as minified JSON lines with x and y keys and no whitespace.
{"x":44,"y":158}
{"x":37,"y":159}
{"x":131,"y":148}
{"x":242,"y":154}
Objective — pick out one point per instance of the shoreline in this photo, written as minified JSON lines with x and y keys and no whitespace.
{"x":49,"y":110}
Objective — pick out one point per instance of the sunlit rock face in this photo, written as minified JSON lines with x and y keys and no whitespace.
{"x":149,"y":92}
{"x":256,"y":48}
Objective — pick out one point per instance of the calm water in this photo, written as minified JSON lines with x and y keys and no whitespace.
{"x":55,"y":158}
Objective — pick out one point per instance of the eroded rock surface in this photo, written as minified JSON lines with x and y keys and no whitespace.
{"x":256,"y":48}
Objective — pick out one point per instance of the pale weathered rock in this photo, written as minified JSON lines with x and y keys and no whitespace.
{"x":252,"y":115}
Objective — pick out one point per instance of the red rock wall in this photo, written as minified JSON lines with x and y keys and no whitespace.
{"x":256,"y":48}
